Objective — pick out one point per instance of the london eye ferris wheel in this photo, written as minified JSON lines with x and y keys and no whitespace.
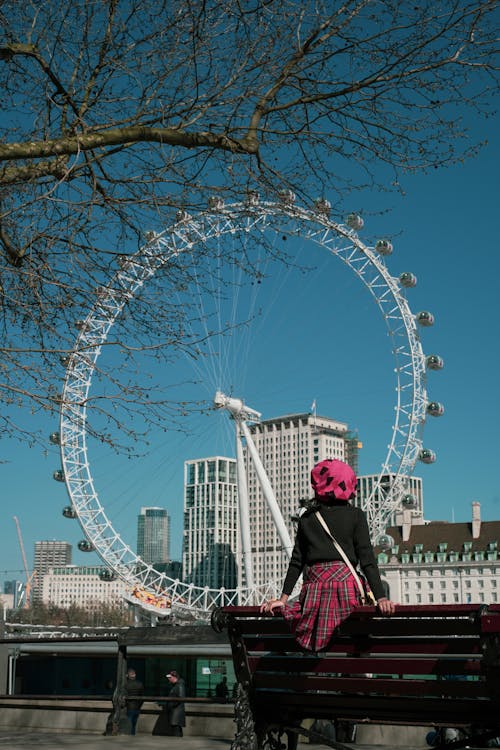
{"x":243,"y":227}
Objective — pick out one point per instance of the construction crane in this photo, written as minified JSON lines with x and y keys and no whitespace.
{"x":29,"y":576}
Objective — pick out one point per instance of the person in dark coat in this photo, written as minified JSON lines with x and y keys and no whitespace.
{"x":134,"y":690}
{"x":221,"y":690}
{"x":177,"y":714}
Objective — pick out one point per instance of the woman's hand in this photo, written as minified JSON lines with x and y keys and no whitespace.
{"x":385,"y":606}
{"x":273,"y":604}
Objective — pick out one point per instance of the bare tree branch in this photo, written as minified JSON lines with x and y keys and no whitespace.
{"x":116,"y":115}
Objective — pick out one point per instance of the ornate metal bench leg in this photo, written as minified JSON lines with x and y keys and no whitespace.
{"x":278,"y":737}
{"x":246,"y":735}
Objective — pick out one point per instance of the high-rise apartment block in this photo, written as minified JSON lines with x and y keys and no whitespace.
{"x":289,"y":446}
{"x":210,"y":546}
{"x":153,"y":535}
{"x":48,"y":554}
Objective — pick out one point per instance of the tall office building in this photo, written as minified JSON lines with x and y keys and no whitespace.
{"x":48,"y":554}
{"x":13,"y":590}
{"x":210,"y":545}
{"x":366,"y":484}
{"x":289,"y":446}
{"x":153,"y":535}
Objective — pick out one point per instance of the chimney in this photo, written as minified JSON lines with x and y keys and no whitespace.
{"x":406,"y":529}
{"x":476,"y":519}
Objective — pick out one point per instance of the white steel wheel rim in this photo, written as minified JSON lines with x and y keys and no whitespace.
{"x":410,"y":371}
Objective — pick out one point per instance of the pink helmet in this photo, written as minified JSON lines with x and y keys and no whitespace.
{"x":333,"y":478}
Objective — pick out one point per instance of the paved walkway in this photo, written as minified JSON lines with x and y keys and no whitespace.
{"x":30,"y":740}
{"x":24,"y":740}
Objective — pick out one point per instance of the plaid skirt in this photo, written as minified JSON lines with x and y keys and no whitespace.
{"x":328,"y":595}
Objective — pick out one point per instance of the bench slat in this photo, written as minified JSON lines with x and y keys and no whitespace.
{"x":360,"y":665}
{"x":454,"y":646}
{"x":300,"y":683}
{"x":386,"y":709}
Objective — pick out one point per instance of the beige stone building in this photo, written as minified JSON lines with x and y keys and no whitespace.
{"x":443,"y":563}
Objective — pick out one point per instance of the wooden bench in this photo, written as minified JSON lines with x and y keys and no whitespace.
{"x":435,"y":665}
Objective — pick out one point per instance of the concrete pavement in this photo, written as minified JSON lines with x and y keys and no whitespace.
{"x":26,"y":740}
{"x":31,"y":740}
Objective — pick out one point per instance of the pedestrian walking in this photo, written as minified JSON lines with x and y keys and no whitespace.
{"x":134,"y":690}
{"x":177,"y":714}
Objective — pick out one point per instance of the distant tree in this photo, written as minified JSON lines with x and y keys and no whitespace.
{"x":94,"y":614}
{"x":116,"y":113}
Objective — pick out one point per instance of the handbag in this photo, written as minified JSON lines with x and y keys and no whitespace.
{"x":367,"y":596}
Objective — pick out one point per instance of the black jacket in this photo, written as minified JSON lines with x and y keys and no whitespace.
{"x":176,"y":708}
{"x":134,"y":689}
{"x":312,"y":544}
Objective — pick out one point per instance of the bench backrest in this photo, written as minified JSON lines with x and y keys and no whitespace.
{"x":425,"y":664}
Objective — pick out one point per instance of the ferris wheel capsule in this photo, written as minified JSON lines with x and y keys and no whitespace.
{"x":383,"y":247}
{"x":434,"y":362}
{"x":322,"y":206}
{"x":107,"y":575}
{"x":355,"y":221}
{"x":435,"y":409}
{"x":287,"y":197}
{"x":427,"y":456}
{"x":55,"y":438}
{"x":64,"y":359}
{"x":58,"y":475}
{"x":215,"y":203}
{"x":408,"y":280}
{"x":79,"y":324}
{"x":252,"y":198}
{"x":69,"y":512}
{"x":182,"y":215}
{"x":85,"y":546}
{"x":409,"y":501}
{"x":385,"y":541}
{"x":425,"y":318}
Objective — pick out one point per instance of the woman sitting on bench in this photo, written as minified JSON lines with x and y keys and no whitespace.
{"x":330,"y":590}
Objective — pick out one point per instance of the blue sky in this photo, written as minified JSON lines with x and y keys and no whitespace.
{"x":445,"y":231}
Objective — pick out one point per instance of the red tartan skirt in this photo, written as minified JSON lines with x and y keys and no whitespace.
{"x":329,"y":594}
